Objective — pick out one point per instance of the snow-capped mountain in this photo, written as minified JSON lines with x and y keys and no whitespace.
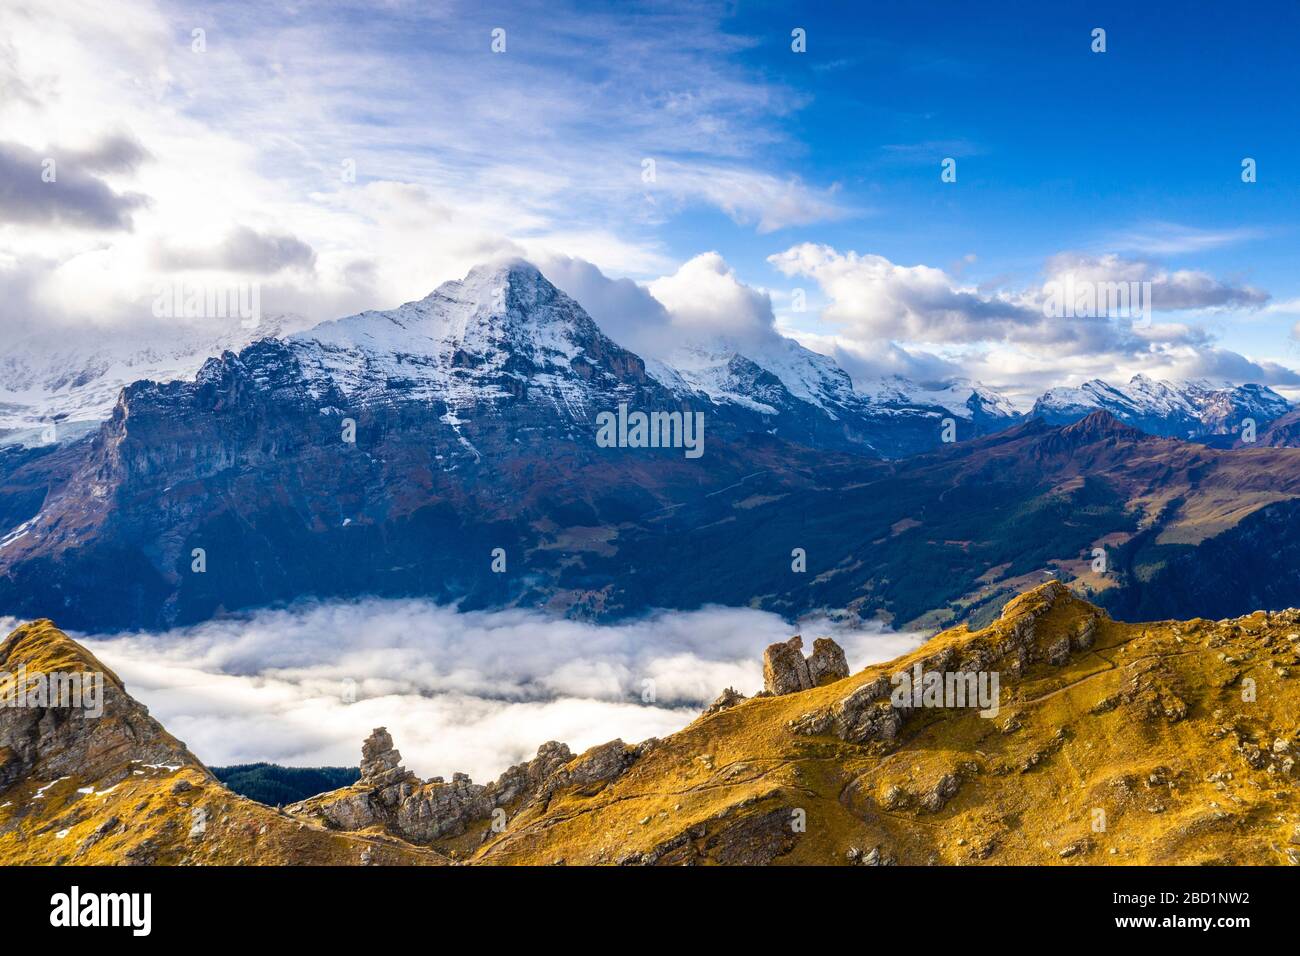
{"x":962,"y":397}
{"x":796,"y":388}
{"x":75,"y":384}
{"x":505,"y":330}
{"x":1192,"y":409}
{"x":392,"y":453}
{"x":502,"y":331}
{"x":727,"y":372}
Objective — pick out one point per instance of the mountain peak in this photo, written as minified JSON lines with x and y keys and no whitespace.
{"x":486,"y":278}
{"x":1097,"y":426}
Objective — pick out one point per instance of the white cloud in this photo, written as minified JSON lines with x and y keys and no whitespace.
{"x":459,"y":154}
{"x":707,"y":301}
{"x":473,"y":692}
{"x":880,"y":316}
{"x":1171,"y":289}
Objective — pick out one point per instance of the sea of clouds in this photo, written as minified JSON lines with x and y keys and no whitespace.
{"x":468,"y":691}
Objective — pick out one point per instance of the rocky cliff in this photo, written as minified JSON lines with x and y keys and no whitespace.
{"x":99,"y":781}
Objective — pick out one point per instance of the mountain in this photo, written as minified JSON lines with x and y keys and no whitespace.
{"x":415,"y":351}
{"x":73,"y":385}
{"x":1196,"y":409}
{"x":1084,"y":741}
{"x":806,"y":398}
{"x":452,"y":449}
{"x":1283,"y":432}
{"x":77,"y":787}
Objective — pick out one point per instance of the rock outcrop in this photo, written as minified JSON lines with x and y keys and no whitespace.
{"x":101,"y":782}
{"x":786,"y":671}
{"x":391,"y":797}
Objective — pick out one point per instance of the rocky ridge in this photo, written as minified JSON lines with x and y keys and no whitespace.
{"x":1106,"y":742}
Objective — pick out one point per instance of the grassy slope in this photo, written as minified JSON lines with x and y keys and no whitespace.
{"x":1148,"y":725}
{"x":1025,"y":794}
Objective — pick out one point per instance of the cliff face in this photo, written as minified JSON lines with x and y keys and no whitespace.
{"x":94,"y":779}
{"x":1055,"y":735}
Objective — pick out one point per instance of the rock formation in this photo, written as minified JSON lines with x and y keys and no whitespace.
{"x":786,"y":671}
{"x":119,"y":789}
{"x":423,"y":812}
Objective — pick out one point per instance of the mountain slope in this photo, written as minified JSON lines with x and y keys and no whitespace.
{"x":1106,"y":743}
{"x":73,"y":385}
{"x":1194,"y":409}
{"x":244,"y":470}
{"x":1114,"y":744}
{"x":118,"y":789}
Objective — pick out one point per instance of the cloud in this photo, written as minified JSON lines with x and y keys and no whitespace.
{"x":245,"y":250}
{"x":72,"y":198}
{"x":1171,"y":290}
{"x":118,"y":152}
{"x":1167,"y":239}
{"x":923,"y":323}
{"x":748,"y":197}
{"x":702,"y":301}
{"x":706,"y":301}
{"x":1223,"y":365}
{"x":473,"y":692}
{"x":873,"y":298}
{"x":323,"y":130}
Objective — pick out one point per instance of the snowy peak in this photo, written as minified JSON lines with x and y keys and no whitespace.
{"x":958,"y":396}
{"x":494,"y":307}
{"x":1191,"y":409}
{"x":503,"y":331}
{"x":763,"y":376}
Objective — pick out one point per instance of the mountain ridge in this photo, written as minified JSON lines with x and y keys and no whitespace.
{"x":1105,"y":743}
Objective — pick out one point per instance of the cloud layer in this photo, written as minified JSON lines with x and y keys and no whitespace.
{"x":474,"y":692}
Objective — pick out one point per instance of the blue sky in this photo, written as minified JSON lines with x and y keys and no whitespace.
{"x":815,"y":171}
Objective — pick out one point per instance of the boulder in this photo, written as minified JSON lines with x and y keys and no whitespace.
{"x":827,"y":662}
{"x":786,"y":671}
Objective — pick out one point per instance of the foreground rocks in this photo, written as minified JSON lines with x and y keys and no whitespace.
{"x":786,"y":671}
{"x":115,"y":788}
{"x":421,"y":812}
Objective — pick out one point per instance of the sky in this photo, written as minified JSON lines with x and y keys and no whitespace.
{"x":678,"y":160}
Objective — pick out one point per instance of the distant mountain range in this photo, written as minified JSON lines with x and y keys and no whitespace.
{"x":793,"y":391}
{"x":448,"y":449}
{"x":1191,"y":410}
